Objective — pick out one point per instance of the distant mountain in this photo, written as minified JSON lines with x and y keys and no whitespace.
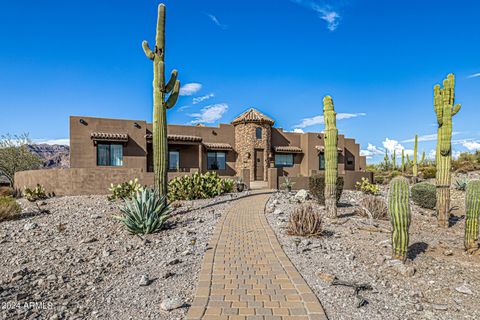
{"x":53,"y":156}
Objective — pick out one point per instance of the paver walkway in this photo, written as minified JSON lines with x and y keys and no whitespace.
{"x":245,"y":273}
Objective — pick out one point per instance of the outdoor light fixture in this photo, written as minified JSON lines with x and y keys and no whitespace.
{"x":214,"y":133}
{"x":83,"y":122}
{"x":136,"y":125}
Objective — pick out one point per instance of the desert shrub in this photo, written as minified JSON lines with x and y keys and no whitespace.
{"x":465,"y":167}
{"x":288,"y":184}
{"x":8,"y":207}
{"x":461,"y":185}
{"x":304,"y":222}
{"x":424,"y":194}
{"x":228,"y":185}
{"x":317,"y":188}
{"x":376,"y":206}
{"x":7,"y":191}
{"x":125,"y":190}
{"x":394,"y":174}
{"x":380,"y":179}
{"x":428,"y":172}
{"x":37,"y":193}
{"x":198,"y":186}
{"x":366,"y":187}
{"x":145,"y":212}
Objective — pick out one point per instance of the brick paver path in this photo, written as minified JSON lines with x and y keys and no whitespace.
{"x":245,"y":273}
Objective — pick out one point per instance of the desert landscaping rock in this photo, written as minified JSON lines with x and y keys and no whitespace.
{"x":93,"y":267}
{"x":438,"y":280}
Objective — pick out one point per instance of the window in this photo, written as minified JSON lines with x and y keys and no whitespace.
{"x":321,"y":158}
{"x":258,"y":133}
{"x":216,"y":160}
{"x":173,"y":160}
{"x":284,"y":160}
{"x":109,"y":155}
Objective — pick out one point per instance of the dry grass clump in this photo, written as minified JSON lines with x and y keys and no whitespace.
{"x":304,"y":222}
{"x":374,"y":206}
{"x":8,"y":208}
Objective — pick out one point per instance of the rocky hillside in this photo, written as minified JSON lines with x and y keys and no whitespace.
{"x":53,"y":156}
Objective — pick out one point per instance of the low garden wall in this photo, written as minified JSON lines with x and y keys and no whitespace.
{"x":350,"y":179}
{"x":84,"y":181}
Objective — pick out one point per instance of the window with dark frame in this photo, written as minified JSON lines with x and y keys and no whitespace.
{"x":216,"y":160}
{"x":174,"y":160}
{"x":110,"y":154}
{"x":258,"y":133}
{"x":283,"y":160}
{"x":321,"y":157}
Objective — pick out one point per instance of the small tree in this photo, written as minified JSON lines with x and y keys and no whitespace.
{"x":15,"y":156}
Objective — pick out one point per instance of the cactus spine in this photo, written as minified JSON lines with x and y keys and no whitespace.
{"x":331,"y":157}
{"x":472,"y":207}
{"x":415,"y":164}
{"x":445,"y":108}
{"x":400,"y":217}
{"x":161,"y":103}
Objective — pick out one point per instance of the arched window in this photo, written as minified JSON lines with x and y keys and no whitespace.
{"x":258,"y":133}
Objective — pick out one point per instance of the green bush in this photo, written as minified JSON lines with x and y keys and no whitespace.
{"x":366,"y":187}
{"x":145,"y":213}
{"x":379,"y":179}
{"x":8,"y":207}
{"x":125,"y":190}
{"x":428,"y":172}
{"x":317,"y":188}
{"x":424,"y":194}
{"x":198,"y":186}
{"x":37,"y":193}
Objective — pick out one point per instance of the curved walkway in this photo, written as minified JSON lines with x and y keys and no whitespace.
{"x":245,"y":273}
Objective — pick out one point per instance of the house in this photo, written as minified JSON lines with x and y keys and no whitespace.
{"x":111,"y":150}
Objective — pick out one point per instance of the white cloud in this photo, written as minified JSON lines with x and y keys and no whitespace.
{"x":371,"y":151}
{"x":393,"y":145}
{"x":325,"y":12}
{"x":297,"y":130}
{"x":202,"y":98}
{"x":182,"y":108}
{"x":427,"y":137}
{"x":63,"y":141}
{"x":216,"y":21}
{"x":471,"y":145}
{"x":474,"y":75}
{"x":210,"y":114}
{"x":307,"y":122}
{"x":190,"y":89}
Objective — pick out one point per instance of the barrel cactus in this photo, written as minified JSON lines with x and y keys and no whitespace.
{"x":161,"y":88}
{"x":331,"y":157}
{"x":400,"y":216}
{"x":472,"y":207}
{"x":445,"y":109}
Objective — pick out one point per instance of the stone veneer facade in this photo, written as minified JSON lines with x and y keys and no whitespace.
{"x":246,"y":143}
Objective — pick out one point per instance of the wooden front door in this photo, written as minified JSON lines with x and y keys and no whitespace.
{"x":259,"y":165}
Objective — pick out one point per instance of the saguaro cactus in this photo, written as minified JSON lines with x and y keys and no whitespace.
{"x":394,"y":159}
{"x":445,"y":108}
{"x":331,"y":156}
{"x":161,"y":103}
{"x":472,"y":207}
{"x":400,"y":217}
{"x":415,"y":164}
{"x":403,"y":160}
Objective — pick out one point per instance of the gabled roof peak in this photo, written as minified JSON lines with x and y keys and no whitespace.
{"x":253,"y":115}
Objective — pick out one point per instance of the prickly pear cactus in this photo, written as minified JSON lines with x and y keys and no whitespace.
{"x":400,"y":217}
{"x":472,"y":207}
{"x":445,"y":108}
{"x":331,"y":157}
{"x":161,"y":103}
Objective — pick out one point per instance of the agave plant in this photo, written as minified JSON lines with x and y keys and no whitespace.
{"x":145,"y":213}
{"x":461,"y":185}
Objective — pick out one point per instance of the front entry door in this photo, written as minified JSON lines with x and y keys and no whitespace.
{"x":259,"y":165}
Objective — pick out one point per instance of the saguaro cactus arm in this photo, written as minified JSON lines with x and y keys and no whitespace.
{"x":172,"y":99}
{"x":171,"y":83}
{"x":148,"y":52}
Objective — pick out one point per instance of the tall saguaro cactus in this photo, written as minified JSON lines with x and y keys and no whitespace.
{"x":472,"y":207}
{"x":445,"y":108}
{"x":161,"y":103}
{"x":415,"y":164}
{"x":400,"y":216}
{"x":331,"y":156}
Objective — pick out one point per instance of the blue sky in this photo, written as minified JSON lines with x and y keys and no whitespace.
{"x":378,"y":59}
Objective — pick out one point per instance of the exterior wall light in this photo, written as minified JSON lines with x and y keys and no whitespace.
{"x":83,"y":122}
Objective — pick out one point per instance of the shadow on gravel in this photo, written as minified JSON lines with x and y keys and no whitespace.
{"x":454,"y":220}
{"x":344,"y":205}
{"x":416,"y":249}
{"x":250,"y":194}
{"x":346,"y":215}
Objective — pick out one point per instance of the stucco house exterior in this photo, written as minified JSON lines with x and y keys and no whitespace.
{"x":249,"y":147}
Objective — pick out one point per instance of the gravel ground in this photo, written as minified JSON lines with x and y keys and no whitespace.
{"x":77,"y":262}
{"x":439,"y":280}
